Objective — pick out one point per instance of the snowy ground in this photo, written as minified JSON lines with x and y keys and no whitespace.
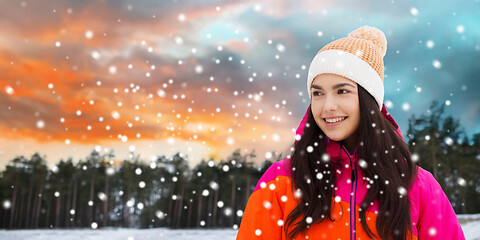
{"x":119,"y":234}
{"x":470,"y":226}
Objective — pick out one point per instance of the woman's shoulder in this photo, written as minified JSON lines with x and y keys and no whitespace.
{"x":424,"y":178}
{"x":425,"y":185}
{"x":277,"y":172}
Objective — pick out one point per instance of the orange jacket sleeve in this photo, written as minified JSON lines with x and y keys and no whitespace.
{"x":263,"y":216}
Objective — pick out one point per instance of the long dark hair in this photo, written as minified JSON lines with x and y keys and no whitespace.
{"x":387,"y":157}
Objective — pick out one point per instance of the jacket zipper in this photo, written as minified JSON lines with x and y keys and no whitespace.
{"x":353,"y":198}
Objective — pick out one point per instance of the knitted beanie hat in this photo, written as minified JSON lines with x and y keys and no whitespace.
{"x":358,"y":57}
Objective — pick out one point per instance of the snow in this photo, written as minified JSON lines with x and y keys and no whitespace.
{"x":470,"y":225}
{"x":119,"y":234}
{"x":475,"y":216}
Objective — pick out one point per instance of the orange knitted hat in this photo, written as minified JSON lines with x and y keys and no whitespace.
{"x":358,"y":57}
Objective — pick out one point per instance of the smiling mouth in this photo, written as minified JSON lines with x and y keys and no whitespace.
{"x":334,"y":120}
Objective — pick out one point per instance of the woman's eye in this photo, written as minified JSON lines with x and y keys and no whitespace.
{"x":316,"y":93}
{"x":343,"y":91}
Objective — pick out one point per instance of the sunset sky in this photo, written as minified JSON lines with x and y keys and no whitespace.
{"x":206,"y":77}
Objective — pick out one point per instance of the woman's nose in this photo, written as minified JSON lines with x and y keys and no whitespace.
{"x":330,"y":104}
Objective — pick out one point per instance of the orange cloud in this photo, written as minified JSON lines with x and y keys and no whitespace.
{"x":94,"y":113}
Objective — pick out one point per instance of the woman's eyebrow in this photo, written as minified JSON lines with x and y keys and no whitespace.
{"x":334,"y":87}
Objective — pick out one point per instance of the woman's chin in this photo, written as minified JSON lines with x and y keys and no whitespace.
{"x":335,"y":138}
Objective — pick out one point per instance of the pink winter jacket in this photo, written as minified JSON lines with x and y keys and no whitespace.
{"x":273,"y":200}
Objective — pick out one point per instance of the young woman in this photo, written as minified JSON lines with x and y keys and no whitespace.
{"x":351,"y":175}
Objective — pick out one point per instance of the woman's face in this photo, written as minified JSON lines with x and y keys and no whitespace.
{"x":335,"y":107}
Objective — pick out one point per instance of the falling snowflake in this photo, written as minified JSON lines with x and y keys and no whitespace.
{"x":161,"y":93}
{"x":309,"y":149}
{"x":153,"y":165}
{"x":414,"y":11}
{"x":448,"y":141}
{"x":298,"y":193}
{"x":227,"y":211}
{"x":205,"y":193}
{"x":239,"y":213}
{"x":110,"y":171}
{"x":178,"y":40}
{"x":116,"y":115}
{"x":89,"y":34}
{"x":430,"y":44}
{"x":198,"y":69}
{"x":461,"y":182}
{"x":211,"y":163}
{"x":389,"y":104}
{"x":40,"y":124}
{"x":436,"y":64}
{"x":7,"y":204}
{"x":460,"y":28}
{"x":362,"y":163}
{"x":112,"y":69}
{"x":214,"y":185}
{"x":160,"y":214}
{"x":319,"y":176}
{"x":98,"y":148}
{"x":102,"y":196}
{"x":325,"y":157}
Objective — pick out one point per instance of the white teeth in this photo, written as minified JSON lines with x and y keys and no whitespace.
{"x":333,"y":120}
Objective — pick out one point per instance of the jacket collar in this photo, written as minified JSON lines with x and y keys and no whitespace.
{"x":338,"y":152}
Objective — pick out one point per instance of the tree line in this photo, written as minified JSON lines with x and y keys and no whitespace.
{"x":167,"y":192}
{"x":98,"y":192}
{"x":441,"y":146}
